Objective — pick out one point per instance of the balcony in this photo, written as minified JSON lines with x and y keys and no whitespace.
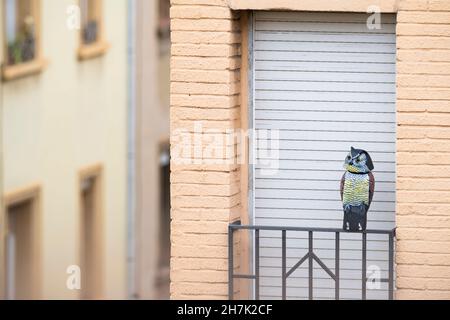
{"x":309,"y":258}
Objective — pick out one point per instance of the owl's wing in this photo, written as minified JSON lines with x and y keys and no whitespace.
{"x":371,"y":187}
{"x":342,"y":187}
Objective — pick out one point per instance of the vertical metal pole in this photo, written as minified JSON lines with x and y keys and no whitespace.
{"x":257,"y":264}
{"x":391,"y":266}
{"x":311,"y":274}
{"x":336,"y":267}
{"x":283,"y":264}
{"x":364,"y":267}
{"x":230,"y":264}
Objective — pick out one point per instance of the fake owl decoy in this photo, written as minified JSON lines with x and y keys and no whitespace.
{"x":357,"y":189}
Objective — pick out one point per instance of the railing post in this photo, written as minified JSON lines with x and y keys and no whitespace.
{"x":364,"y":267}
{"x":336,"y":267}
{"x":230,"y":264}
{"x":391,"y":266}
{"x":283,"y":264}
{"x":257,"y":264}
{"x":311,"y":274}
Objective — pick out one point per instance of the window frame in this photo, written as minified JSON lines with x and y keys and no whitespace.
{"x":33,"y":194}
{"x":34,"y":66}
{"x":100,"y":46}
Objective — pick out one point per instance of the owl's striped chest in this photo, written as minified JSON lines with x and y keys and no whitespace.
{"x":356,"y":189}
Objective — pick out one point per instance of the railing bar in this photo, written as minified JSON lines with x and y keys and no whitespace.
{"x":297,"y":265}
{"x":257,"y":265}
{"x":364,"y":267}
{"x":283,"y":265}
{"x":230,"y":264}
{"x":391,"y":266}
{"x":311,"y":274}
{"x":301,"y":229}
{"x":336,"y":267}
{"x":324,"y":267}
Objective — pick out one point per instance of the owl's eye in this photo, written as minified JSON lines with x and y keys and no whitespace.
{"x":349,"y":158}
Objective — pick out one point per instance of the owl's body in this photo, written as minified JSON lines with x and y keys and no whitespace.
{"x":357,"y":189}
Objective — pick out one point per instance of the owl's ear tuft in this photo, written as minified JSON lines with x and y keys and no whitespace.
{"x":369,"y":162}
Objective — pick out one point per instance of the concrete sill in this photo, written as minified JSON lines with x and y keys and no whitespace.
{"x":86,"y":52}
{"x":23,"y":69}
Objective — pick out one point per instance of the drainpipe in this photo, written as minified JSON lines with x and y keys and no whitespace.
{"x":131,"y":152}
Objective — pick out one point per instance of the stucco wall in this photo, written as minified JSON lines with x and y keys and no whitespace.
{"x":205,"y":86}
{"x":56,"y":123}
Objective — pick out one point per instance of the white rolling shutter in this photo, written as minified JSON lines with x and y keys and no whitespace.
{"x":326,"y":82}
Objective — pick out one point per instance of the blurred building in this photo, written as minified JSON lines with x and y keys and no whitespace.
{"x":84,"y":149}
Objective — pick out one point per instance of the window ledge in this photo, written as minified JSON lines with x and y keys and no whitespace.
{"x":23,"y":69}
{"x":94,"y":50}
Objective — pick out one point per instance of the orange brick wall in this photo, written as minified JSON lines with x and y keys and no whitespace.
{"x":205,"y":198}
{"x":423,"y":150}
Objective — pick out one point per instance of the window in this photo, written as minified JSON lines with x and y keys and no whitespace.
{"x":21,"y":219}
{"x":92,"y":43}
{"x":91,"y":219}
{"x":22,"y":38}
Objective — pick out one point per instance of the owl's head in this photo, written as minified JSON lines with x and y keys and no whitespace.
{"x":358,"y":161}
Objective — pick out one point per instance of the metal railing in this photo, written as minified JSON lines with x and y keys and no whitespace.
{"x":310,"y":257}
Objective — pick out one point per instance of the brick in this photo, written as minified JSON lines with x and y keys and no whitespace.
{"x":207,"y":190}
{"x":423,"y":271}
{"x":425,"y":222}
{"x":423,"y":30}
{"x":423,"y":106}
{"x":423,"y":158}
{"x":425,"y":209}
{"x":423,"y":171}
{"x":415,"y":233}
{"x":209,"y":76}
{"x":429,"y":68}
{"x":423,"y":284}
{"x":199,"y":251}
{"x":205,"y":88}
{"x":431,"y":55}
{"x":412,"y":5}
{"x":423,"y":17}
{"x":204,"y":202}
{"x":222,"y":3}
{"x":204,"y":101}
{"x":439,"y":5}
{"x":212,"y":37}
{"x":199,"y":288}
{"x":204,"y":25}
{"x":194,"y":239}
{"x":425,"y":247}
{"x":220,"y":215}
{"x":424,"y":196}
{"x":423,"y":184}
{"x":424,"y":119}
{"x":423,"y":81}
{"x":205,"y":114}
{"x":204,"y":177}
{"x":423,"y":42}
{"x":403,"y":294}
{"x":422,"y":145}
{"x":201,"y":50}
{"x":423,"y":93}
{"x":205,"y":63}
{"x":438,"y":259}
{"x":201,"y":12}
{"x":199,"y":264}
{"x":199,"y":276}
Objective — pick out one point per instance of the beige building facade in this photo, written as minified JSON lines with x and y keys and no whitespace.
{"x":210,"y":85}
{"x":64,"y":141}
